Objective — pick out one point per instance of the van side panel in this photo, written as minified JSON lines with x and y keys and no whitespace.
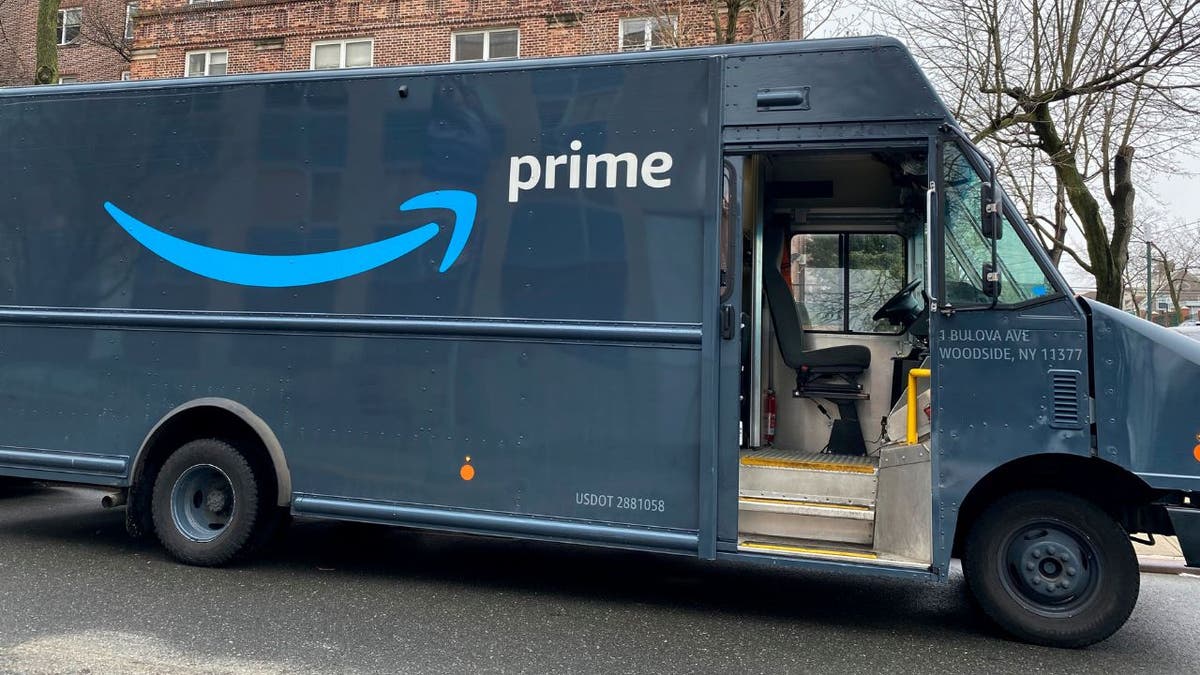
{"x":1146,"y":383}
{"x":558,"y":355}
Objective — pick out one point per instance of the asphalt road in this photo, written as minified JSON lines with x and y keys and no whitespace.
{"x":77,"y":595}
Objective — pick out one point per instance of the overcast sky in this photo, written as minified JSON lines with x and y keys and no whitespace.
{"x":1178,"y":196}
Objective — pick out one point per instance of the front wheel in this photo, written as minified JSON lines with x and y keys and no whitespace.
{"x":1052,"y":568}
{"x":207,"y":504}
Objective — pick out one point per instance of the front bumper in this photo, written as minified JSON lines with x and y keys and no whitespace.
{"x":1186,"y":521}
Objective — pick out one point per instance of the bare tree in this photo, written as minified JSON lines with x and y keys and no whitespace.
{"x":663,"y":13}
{"x":1087,"y":85}
{"x":104,"y":26}
{"x":777,"y":19}
{"x":1135,"y":289}
{"x":1143,"y":284}
{"x":1176,"y":255}
{"x":730,"y":21}
{"x":798,"y":19}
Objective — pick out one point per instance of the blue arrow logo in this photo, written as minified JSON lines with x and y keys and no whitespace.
{"x":277,"y":271}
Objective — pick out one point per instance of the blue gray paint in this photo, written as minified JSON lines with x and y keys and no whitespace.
{"x":567,"y":343}
{"x":258,"y":255}
{"x":1147,"y":379}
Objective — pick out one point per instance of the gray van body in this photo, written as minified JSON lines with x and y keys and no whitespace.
{"x":565,"y":344}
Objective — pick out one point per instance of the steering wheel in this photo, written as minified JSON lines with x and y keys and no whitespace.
{"x":903,"y":308}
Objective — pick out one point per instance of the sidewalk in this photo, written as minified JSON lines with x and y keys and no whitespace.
{"x":1164,"y":557}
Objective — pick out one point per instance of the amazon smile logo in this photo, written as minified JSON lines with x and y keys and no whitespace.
{"x":277,"y":271}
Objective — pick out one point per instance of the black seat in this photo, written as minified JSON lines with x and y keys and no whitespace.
{"x":849,"y":358}
{"x":831,"y":373}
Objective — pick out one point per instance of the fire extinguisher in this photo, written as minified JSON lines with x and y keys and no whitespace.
{"x":769,"y":407}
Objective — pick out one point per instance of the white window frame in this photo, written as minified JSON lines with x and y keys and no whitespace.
{"x":203,"y":2}
{"x":312,"y":52}
{"x":68,"y":79}
{"x":127,"y":76}
{"x":648,"y":31}
{"x":130,"y":8}
{"x":62,"y":25}
{"x":187,"y":61}
{"x":487,"y":43}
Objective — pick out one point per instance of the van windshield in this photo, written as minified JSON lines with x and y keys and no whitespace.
{"x":966,"y":249}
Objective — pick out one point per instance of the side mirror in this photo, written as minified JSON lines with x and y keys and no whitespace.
{"x":991,"y":281}
{"x":991,"y":227}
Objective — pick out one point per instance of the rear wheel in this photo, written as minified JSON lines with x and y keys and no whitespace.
{"x":1052,"y":568}
{"x":206,"y":504}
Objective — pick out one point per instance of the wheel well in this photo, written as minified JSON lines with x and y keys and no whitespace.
{"x":1122,"y":494}
{"x":188,"y":424}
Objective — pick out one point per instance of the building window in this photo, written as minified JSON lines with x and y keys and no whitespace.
{"x":343,"y":54}
{"x":210,"y":62}
{"x":126,"y":76}
{"x":203,"y":2}
{"x":130,"y":10}
{"x":70,"y":21}
{"x":68,"y":79}
{"x":485,"y":45}
{"x":648,"y":33}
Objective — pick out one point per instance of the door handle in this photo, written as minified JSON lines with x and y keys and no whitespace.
{"x":727,"y":321}
{"x":930,"y":201}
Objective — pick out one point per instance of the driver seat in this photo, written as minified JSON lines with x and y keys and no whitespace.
{"x":831,"y":373}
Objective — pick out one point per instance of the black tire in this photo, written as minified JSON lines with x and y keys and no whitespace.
{"x":1052,"y":569}
{"x":224,"y":523}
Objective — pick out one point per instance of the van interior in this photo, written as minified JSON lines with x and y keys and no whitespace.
{"x":835,"y":320}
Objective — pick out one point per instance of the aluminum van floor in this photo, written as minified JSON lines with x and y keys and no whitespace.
{"x":779,"y":458}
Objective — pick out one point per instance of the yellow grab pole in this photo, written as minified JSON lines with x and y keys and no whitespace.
{"x":912,"y":402}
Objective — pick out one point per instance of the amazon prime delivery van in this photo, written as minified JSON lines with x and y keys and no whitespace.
{"x":760,"y":302}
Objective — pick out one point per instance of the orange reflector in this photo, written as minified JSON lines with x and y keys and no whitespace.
{"x":467,"y":472}
{"x":1196,"y":453}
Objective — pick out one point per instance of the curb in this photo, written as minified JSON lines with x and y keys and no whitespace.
{"x":1155,"y":565}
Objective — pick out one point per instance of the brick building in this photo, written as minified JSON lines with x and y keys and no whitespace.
{"x":175,"y":38}
{"x":94,"y":40}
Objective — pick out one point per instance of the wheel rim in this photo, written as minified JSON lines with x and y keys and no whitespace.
{"x":203,"y":503}
{"x":1050,"y":567}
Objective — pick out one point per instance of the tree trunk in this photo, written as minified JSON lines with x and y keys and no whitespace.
{"x":1137,"y":306}
{"x":46,"y":70}
{"x":1175,"y":283}
{"x":729,"y":12}
{"x":1107,"y":261}
{"x":732,"y":12}
{"x":1174,"y":291}
{"x":1060,"y":224}
{"x":1121,"y":201}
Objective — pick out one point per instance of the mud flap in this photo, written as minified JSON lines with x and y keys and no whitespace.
{"x":1187,"y":528}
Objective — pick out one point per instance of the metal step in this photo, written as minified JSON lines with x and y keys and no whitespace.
{"x":806,"y":550}
{"x":808,"y":477}
{"x":792,"y":519}
{"x":816,"y":551}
